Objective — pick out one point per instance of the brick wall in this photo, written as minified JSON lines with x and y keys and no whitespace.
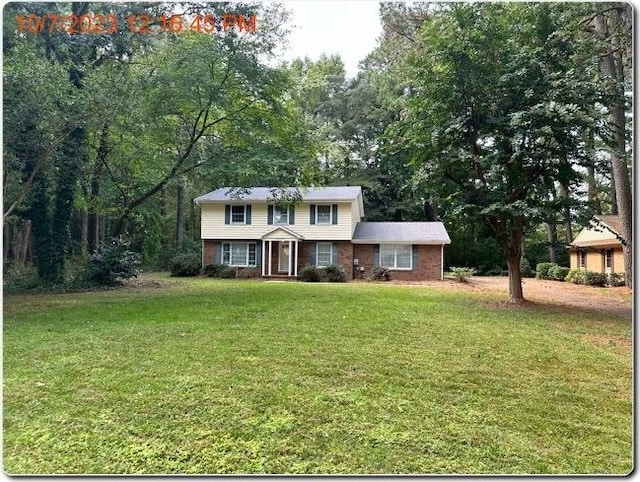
{"x":429,"y":263}
{"x":345,"y":255}
{"x":429,"y":267}
{"x":208,"y":251}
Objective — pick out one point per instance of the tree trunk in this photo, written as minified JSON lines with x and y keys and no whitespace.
{"x":515,"y":278}
{"x":592,"y":189}
{"x":94,"y":195}
{"x":22,"y":242}
{"x":84,"y":231}
{"x":552,"y":240}
{"x":612,"y":67}
{"x":511,"y":241}
{"x":566,"y":215}
{"x":180,"y":215}
{"x":6,"y":237}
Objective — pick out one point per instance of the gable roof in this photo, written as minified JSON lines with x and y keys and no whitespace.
{"x":278,"y":232}
{"x":264,"y":194}
{"x":429,"y":232}
{"x":611,"y":221}
{"x":603,"y":231}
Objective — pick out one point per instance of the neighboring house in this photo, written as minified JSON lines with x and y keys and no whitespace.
{"x":599,"y":247}
{"x":251,"y":231}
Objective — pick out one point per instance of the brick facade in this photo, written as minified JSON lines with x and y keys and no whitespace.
{"x":429,"y":260}
{"x":429,"y":263}
{"x":208,"y":251}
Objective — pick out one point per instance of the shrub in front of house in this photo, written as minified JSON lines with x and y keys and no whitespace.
{"x":220,"y":270}
{"x":186,"y":264}
{"x":582,"y":276}
{"x":228,"y":272}
{"x":380,"y":273}
{"x":558,"y":273}
{"x":575,"y":276}
{"x":615,"y":279}
{"x":334,"y":273}
{"x":309,"y":273}
{"x":213,"y":270}
{"x":593,"y":278}
{"x":542,"y":270}
{"x":248,"y":273}
{"x":462,"y":274}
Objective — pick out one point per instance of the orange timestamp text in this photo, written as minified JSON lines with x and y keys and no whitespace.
{"x":142,"y":24}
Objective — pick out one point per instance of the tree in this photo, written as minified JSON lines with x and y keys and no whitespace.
{"x":495,"y":115}
{"x":613,"y":28}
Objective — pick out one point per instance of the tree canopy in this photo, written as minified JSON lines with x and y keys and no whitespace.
{"x":508,"y":121}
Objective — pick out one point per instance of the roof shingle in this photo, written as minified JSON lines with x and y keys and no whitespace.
{"x":431,"y":232}
{"x":263,"y":194}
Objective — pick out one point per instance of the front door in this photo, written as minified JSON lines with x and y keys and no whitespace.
{"x":283,"y":257}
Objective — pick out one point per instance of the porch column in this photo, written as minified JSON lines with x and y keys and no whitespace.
{"x":289,"y":263}
{"x":441,"y":262}
{"x":295,"y":259}
{"x":270,"y":255}
{"x":264,"y":253}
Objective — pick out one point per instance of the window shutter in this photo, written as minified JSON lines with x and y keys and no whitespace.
{"x":414,"y":256}
{"x":376,"y":255}
{"x":334,"y":214}
{"x":269,"y":214}
{"x":292,"y":215}
{"x":259,"y":253}
{"x":312,"y":214}
{"x":227,"y":214}
{"x":218,"y":257}
{"x":247,"y":217}
{"x":334,"y":253}
{"x":312,"y":253}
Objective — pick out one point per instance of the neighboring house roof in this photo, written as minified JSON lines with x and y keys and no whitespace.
{"x":432,"y":232}
{"x":604,"y":231}
{"x":264,"y":194}
{"x":611,"y":221}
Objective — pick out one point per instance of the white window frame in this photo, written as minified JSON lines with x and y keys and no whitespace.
{"x":227,"y":254}
{"x":582,"y":258}
{"x":395,"y":247}
{"x":318,"y":206}
{"x":608,"y":258}
{"x":244,"y":214}
{"x":318,"y":245}
{"x":283,"y":212}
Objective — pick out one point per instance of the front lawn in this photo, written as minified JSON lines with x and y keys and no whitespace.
{"x":206,"y":376}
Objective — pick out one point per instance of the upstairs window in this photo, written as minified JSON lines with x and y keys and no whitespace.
{"x":280,"y":215}
{"x":237,"y":214}
{"x":323,"y":214}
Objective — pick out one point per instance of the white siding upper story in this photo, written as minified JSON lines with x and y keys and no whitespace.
{"x":213,"y":222}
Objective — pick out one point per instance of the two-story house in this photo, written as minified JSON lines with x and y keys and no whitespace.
{"x":324,"y":227}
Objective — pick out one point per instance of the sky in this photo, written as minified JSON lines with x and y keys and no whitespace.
{"x":349,"y":28}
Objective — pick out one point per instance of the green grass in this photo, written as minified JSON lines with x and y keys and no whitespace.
{"x":206,"y":376}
